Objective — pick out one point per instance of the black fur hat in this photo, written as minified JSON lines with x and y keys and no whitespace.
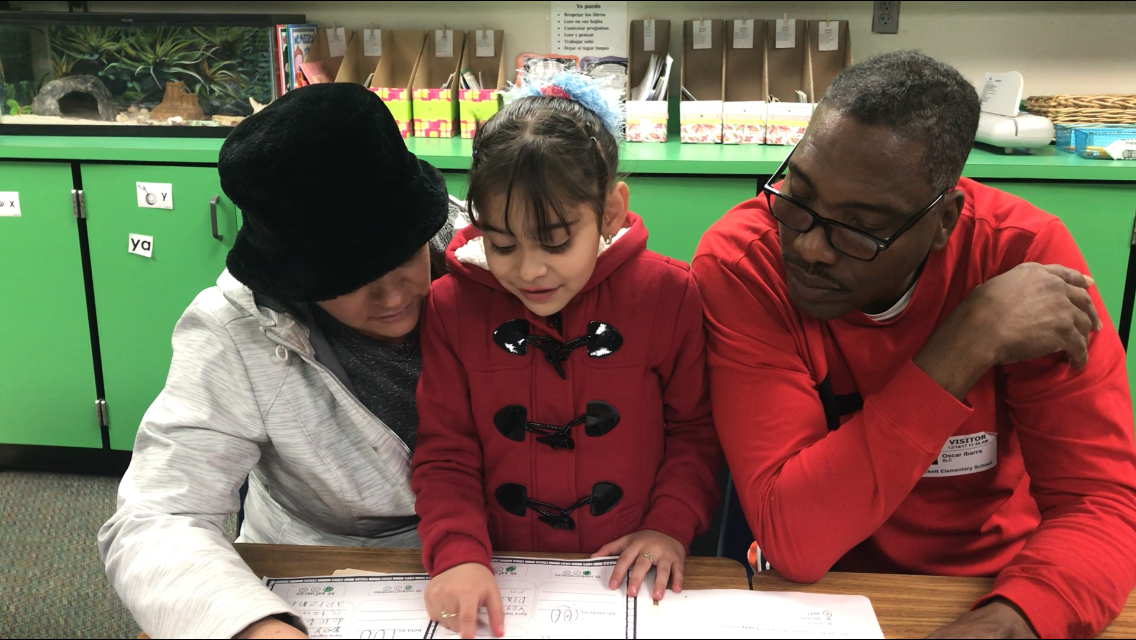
{"x":330,"y":197}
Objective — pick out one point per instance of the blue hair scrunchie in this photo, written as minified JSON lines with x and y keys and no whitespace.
{"x":577,"y":87}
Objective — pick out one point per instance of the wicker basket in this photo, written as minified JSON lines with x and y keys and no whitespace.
{"x":1102,"y":109}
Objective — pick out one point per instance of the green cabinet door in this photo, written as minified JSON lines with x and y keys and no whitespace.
{"x":138,"y":299}
{"x":47,"y":381}
{"x":456,"y":183}
{"x":1100,"y":218}
{"x":678,"y":210}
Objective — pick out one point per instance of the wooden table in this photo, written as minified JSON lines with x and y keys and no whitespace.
{"x":280,"y":561}
{"x":914,"y":606}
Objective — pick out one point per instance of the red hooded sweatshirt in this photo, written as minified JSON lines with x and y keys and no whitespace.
{"x":643,"y":450}
{"x":845,"y":453}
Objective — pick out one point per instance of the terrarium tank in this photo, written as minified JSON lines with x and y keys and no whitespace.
{"x":145,"y":74}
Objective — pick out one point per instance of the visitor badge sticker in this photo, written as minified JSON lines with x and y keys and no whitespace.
{"x":10,"y":204}
{"x":141,"y":245}
{"x":155,"y":195}
{"x":964,"y":455}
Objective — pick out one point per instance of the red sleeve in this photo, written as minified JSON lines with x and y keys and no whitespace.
{"x":448,"y":467}
{"x":809,"y":495}
{"x":686,"y":492}
{"x":1075,"y":427}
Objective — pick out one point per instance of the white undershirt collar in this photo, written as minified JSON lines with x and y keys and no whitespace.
{"x":896,"y":308}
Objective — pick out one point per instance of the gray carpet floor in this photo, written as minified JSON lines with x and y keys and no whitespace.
{"x":52,"y":580}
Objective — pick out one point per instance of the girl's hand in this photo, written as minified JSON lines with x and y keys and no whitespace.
{"x":454,"y":597}
{"x":668,"y":557}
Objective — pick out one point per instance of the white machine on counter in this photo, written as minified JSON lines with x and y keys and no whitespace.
{"x":1001,"y":124}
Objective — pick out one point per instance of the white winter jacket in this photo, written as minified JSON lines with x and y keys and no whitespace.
{"x":246,"y":397}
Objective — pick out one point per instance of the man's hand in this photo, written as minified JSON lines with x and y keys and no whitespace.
{"x":667,"y":555}
{"x":1028,"y":312}
{"x":269,"y":628}
{"x":999,"y":619}
{"x":454,"y":597}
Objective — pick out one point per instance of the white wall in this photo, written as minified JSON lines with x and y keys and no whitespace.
{"x":1060,"y":47}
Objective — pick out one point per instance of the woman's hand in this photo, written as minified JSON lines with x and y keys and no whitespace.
{"x":644,"y":549}
{"x":454,"y":597}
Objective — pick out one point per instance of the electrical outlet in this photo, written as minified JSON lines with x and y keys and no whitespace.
{"x":885,"y":17}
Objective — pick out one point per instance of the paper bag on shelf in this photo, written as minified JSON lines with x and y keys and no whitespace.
{"x":830,"y":52}
{"x":786,"y":69}
{"x":394,"y":73}
{"x":479,"y":104}
{"x":646,"y":56}
{"x":435,"y":103}
{"x":321,"y":51}
{"x":743,"y":113}
{"x":357,"y":66}
{"x":703,"y":78}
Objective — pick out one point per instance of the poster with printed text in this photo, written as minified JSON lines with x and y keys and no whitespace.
{"x":589,"y":28}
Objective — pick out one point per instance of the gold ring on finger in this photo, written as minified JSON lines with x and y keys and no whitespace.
{"x":446,"y":615}
{"x":647,"y":555}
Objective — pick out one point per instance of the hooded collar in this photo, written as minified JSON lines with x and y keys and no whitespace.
{"x":284,"y":326}
{"x":465,"y":256}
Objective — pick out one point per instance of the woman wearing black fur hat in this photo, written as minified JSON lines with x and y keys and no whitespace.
{"x":297,"y":371}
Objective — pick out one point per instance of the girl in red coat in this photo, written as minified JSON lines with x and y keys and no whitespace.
{"x":563,"y":400}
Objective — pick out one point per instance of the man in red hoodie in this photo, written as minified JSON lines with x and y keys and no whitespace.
{"x":913,"y":373}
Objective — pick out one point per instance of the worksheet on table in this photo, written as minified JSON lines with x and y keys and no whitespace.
{"x":733,"y":613}
{"x":546,"y":598}
{"x":542,"y":598}
{"x":364,"y":607}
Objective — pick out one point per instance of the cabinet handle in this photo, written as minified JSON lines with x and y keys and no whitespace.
{"x":213,"y":216}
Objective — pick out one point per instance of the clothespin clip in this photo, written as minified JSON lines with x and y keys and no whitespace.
{"x":827,"y":21}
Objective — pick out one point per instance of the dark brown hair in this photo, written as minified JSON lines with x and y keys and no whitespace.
{"x":542,"y":155}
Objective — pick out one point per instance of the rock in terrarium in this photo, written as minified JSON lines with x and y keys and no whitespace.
{"x":84,"y":97}
{"x":178,"y":103}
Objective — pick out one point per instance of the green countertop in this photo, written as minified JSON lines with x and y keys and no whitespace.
{"x":668,"y":158}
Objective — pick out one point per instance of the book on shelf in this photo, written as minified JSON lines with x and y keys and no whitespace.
{"x":301,"y":37}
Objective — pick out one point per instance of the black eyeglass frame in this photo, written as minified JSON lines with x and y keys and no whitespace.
{"x":881,"y":243}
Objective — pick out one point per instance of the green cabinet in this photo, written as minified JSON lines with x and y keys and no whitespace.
{"x":138,"y":300}
{"x":456,"y":183}
{"x":48,"y":378}
{"x":677,"y":210}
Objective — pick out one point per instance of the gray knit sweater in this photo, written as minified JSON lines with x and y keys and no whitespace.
{"x":383,"y":376}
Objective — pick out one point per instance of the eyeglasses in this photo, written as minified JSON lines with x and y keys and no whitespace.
{"x":850,"y":241}
{"x":601,"y":341}
{"x":514,"y":498}
{"x":513,"y":421}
